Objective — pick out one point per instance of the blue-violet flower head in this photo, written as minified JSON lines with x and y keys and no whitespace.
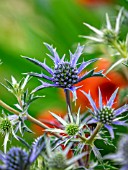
{"x":64,"y":74}
{"x":14,"y":159}
{"x":106,"y":114}
{"x":121,"y":156}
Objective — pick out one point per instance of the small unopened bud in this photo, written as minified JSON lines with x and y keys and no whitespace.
{"x":109,"y":35}
{"x":72,"y":129}
{"x":5,"y":125}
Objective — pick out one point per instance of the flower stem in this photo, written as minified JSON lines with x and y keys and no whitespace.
{"x":91,"y":138}
{"x":20,"y":101}
{"x":82,"y":138}
{"x":87,"y":160}
{"x":30,"y":118}
{"x":116,"y":45}
{"x":67,"y":95}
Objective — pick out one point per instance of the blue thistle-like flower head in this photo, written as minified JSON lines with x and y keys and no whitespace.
{"x":18,"y":159}
{"x":121,"y":156}
{"x":123,"y":149}
{"x":65,"y":74}
{"x":14,"y":159}
{"x":106,"y":114}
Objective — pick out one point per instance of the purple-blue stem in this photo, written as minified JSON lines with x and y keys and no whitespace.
{"x":67,"y":96}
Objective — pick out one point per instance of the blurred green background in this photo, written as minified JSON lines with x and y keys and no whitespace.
{"x":25,"y":25}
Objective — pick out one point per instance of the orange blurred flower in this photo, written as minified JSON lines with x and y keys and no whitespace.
{"x":107,"y":86}
{"x":95,"y":2}
{"x":70,"y":152}
{"x":48,"y":120}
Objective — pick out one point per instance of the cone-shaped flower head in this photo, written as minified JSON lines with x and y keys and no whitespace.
{"x":106,"y":114}
{"x":64,"y":74}
{"x":16,"y":159}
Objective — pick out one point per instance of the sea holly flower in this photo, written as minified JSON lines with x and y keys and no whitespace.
{"x":121,"y":156}
{"x":70,"y":128}
{"x":57,"y":159}
{"x":64,"y":74}
{"x":18,"y":159}
{"x":108,"y":34}
{"x":7,"y":127}
{"x":14,"y":159}
{"x":106,"y":114}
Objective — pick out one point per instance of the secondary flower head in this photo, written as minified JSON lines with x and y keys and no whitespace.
{"x":57,"y":159}
{"x":7,"y":124}
{"x":18,"y":159}
{"x":15,"y":159}
{"x":64,"y":74}
{"x":71,"y":127}
{"x":108,"y":34}
{"x":121,"y":156}
{"x":106,"y":114}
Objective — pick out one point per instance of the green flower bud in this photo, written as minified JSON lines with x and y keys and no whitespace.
{"x":109,"y":35}
{"x":5,"y":125}
{"x":72,"y":129}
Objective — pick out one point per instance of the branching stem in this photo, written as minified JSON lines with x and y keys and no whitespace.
{"x":116,"y":45}
{"x":93,"y":135}
{"x":82,"y":138}
{"x":30,"y":118}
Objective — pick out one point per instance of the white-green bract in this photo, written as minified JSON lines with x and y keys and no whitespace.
{"x":7,"y":124}
{"x":71,"y":127}
{"x":106,"y":114}
{"x":10,"y":125}
{"x":108,"y":34}
{"x":64,"y":74}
